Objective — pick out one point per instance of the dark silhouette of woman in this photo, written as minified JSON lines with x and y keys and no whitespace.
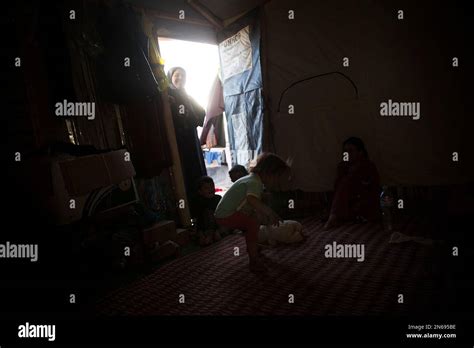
{"x":187,"y":115}
{"x":357,"y":186}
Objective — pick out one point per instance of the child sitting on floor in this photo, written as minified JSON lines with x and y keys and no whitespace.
{"x":205,"y":206}
{"x":242,"y":203}
{"x":236,"y":172}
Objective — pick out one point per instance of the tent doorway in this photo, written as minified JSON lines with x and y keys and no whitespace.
{"x":201,"y":62}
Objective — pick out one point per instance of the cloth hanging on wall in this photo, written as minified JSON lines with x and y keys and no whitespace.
{"x":239,"y":51}
{"x":212,"y":124}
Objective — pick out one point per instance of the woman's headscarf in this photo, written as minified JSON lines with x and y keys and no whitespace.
{"x":171,"y":72}
{"x":358,"y":143}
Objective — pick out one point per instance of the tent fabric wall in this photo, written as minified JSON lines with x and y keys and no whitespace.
{"x":403,"y":60}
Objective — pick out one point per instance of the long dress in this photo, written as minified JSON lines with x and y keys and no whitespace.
{"x":357,"y":190}
{"x":190,"y":152}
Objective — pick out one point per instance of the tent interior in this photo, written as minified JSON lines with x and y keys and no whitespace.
{"x":106,"y":196}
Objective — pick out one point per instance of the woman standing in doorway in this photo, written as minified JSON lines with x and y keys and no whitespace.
{"x":187,"y":115}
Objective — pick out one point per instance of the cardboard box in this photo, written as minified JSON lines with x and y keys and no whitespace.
{"x":85,"y":174}
{"x":118,"y":168}
{"x":160,"y":232}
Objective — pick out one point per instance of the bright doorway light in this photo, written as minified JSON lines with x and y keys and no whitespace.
{"x":201,"y":62}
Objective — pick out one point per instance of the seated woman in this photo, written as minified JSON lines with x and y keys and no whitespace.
{"x":357,"y":187}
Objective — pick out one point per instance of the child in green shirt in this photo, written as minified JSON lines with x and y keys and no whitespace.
{"x":245,"y":195}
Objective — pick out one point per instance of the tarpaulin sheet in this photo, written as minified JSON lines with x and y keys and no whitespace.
{"x":239,"y":51}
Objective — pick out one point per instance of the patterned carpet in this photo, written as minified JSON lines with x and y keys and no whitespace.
{"x":215,"y":282}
